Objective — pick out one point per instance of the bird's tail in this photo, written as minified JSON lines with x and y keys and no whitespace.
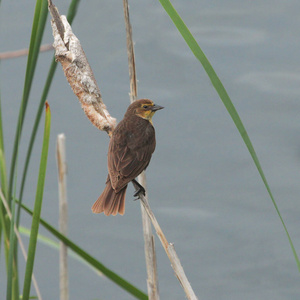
{"x":110,"y":202}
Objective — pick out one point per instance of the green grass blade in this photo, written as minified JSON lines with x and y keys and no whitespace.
{"x":72,"y":11}
{"x":39,"y":21}
{"x":34,"y":132}
{"x":3,"y":176}
{"x":92,"y":261}
{"x":37,"y":206}
{"x":12,"y":286}
{"x":41,"y":238}
{"x":5,"y":230}
{"x":12,"y":270}
{"x":55,"y":245}
{"x":3,"y":173}
{"x":3,"y":183}
{"x":71,"y":15}
{"x":191,"y":42}
{"x":38,"y":26}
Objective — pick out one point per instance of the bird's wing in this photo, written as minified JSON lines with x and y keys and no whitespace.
{"x":128,"y":156}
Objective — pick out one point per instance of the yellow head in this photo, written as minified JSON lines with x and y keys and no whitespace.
{"x":146,"y":108}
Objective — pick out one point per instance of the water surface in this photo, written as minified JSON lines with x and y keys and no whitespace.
{"x":203,"y":186}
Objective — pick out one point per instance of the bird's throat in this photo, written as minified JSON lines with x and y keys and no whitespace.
{"x":147,"y":115}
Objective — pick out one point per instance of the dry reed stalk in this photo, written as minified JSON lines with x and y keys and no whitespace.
{"x":36,"y":287}
{"x":170,"y":250}
{"x":150,"y":252}
{"x":63,"y":216}
{"x":150,"y":255}
{"x":78,"y":72}
{"x":22,"y":52}
{"x":149,"y":239}
{"x":82,"y":81}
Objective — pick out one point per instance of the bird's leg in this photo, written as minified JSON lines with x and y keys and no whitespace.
{"x":139,"y":188}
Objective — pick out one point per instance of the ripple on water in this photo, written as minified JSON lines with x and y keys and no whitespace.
{"x":279,"y":82}
{"x":187,"y":211}
{"x":216,"y":36}
{"x":228,"y":36}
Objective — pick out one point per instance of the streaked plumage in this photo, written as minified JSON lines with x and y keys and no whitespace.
{"x":129,"y":153}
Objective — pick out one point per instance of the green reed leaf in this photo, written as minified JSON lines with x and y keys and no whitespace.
{"x":37,"y":206}
{"x":199,"y":54}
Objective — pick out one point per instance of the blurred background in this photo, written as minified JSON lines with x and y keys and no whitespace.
{"x":203,"y":186}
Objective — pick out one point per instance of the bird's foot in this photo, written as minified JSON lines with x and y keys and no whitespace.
{"x":139,"y":189}
{"x":137,"y":192}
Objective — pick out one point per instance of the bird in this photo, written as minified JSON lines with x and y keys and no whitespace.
{"x":129,"y":153}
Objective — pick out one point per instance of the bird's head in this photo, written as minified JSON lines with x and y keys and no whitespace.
{"x":144,"y":108}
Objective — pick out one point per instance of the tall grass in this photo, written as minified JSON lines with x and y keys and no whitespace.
{"x":37,"y":207}
{"x":9,"y":187}
{"x":9,"y":182}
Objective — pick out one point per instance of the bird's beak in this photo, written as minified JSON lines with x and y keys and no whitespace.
{"x":156,"y":107}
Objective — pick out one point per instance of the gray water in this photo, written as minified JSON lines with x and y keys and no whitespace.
{"x":203,"y":186}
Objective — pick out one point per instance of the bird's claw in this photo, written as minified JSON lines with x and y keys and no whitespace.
{"x":139,"y":189}
{"x":137,"y":192}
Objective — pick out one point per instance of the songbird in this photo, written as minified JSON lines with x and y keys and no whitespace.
{"x":129,"y":153}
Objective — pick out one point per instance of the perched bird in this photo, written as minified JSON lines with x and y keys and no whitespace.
{"x":129,"y":153}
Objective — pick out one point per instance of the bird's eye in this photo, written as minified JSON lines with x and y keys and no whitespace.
{"x":145,"y":106}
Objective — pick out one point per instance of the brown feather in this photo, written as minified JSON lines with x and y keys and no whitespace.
{"x":129,"y":153}
{"x":110,"y":202}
